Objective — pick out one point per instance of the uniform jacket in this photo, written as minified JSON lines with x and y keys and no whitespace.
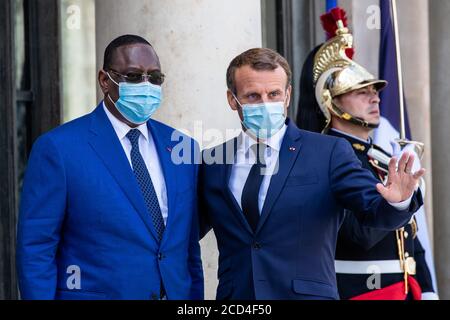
{"x":359,"y":243}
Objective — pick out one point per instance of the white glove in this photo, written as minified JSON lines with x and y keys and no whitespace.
{"x":429,"y":296}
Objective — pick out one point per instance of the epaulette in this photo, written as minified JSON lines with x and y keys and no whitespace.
{"x":379,"y":158}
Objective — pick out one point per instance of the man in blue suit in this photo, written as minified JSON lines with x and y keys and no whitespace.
{"x":105,"y":213}
{"x":274,"y":195}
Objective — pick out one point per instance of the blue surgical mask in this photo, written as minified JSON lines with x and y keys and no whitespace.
{"x":263,"y":120}
{"x":137,"y":101}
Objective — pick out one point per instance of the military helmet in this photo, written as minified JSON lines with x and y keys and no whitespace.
{"x":335,"y":74}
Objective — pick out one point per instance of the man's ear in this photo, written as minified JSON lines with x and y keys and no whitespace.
{"x":232,"y":101}
{"x":103,"y":81}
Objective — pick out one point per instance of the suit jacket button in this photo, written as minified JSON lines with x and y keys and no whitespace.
{"x":256,"y":246}
{"x":160,"y":256}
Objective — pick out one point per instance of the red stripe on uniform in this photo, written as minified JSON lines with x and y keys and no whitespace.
{"x":393,"y":292}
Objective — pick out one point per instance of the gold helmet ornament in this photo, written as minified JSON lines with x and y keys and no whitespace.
{"x":335,"y":73}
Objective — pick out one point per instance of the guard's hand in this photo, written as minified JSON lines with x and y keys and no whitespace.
{"x":401,"y":182}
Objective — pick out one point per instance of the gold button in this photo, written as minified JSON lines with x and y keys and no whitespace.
{"x":410,"y":265}
{"x":376,"y":162}
{"x":406,"y":254}
{"x":406,"y":234}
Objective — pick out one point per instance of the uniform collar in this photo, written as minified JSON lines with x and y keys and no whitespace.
{"x":358,"y":144}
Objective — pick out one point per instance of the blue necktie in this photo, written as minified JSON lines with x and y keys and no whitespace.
{"x":145,"y":182}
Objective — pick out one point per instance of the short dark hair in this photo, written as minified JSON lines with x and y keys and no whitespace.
{"x":257,"y":59}
{"x":121,"y":41}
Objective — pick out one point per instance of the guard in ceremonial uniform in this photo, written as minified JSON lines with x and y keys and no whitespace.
{"x":340,"y":98}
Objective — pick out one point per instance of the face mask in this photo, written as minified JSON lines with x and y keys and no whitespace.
{"x":263,"y":119}
{"x":137,"y":101}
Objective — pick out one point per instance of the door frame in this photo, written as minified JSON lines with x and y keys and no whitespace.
{"x":44,"y":97}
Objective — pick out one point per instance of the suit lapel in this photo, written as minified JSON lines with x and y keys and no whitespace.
{"x":290,"y":149}
{"x":105,"y":143}
{"x":164,"y":147}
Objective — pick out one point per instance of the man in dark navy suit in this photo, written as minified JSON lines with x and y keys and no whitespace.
{"x":274,"y":195}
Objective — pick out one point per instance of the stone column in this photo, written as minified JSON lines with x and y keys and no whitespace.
{"x":439,"y":12}
{"x":78,"y":57}
{"x":415,"y":43}
{"x":195,"y":40}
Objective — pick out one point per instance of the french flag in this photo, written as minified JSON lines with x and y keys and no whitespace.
{"x":331,"y":4}
{"x":390,"y":99}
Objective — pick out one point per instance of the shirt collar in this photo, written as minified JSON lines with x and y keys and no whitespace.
{"x":121,"y":128}
{"x":246,"y":141}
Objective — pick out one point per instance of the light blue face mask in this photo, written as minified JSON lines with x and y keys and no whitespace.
{"x":263,"y":120}
{"x":137,"y":101}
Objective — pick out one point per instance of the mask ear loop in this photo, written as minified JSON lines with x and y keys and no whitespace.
{"x":112,"y":101}
{"x":235,"y":98}
{"x":285,"y":102}
{"x":110,"y":78}
{"x":109,"y":97}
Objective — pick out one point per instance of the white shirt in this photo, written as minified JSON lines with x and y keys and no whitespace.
{"x":148,"y":151}
{"x":245,"y":159}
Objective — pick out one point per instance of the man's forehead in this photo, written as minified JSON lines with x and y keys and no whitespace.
{"x":248,"y":76}
{"x":137,"y":56}
{"x":249,"y":70}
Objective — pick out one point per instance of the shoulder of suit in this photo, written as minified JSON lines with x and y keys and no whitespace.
{"x":162,"y":127}
{"x":170,"y":132}
{"x":318,"y":137}
{"x":74,"y":128}
{"x":227,"y":145}
{"x":223,"y":153}
{"x":65,"y":136}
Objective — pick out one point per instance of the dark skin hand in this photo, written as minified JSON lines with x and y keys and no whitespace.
{"x":135,"y":58}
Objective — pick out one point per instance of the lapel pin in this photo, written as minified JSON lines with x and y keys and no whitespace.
{"x":292,"y":149}
{"x":169,"y":149}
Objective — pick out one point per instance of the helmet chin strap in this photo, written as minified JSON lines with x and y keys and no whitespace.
{"x":352,"y":119}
